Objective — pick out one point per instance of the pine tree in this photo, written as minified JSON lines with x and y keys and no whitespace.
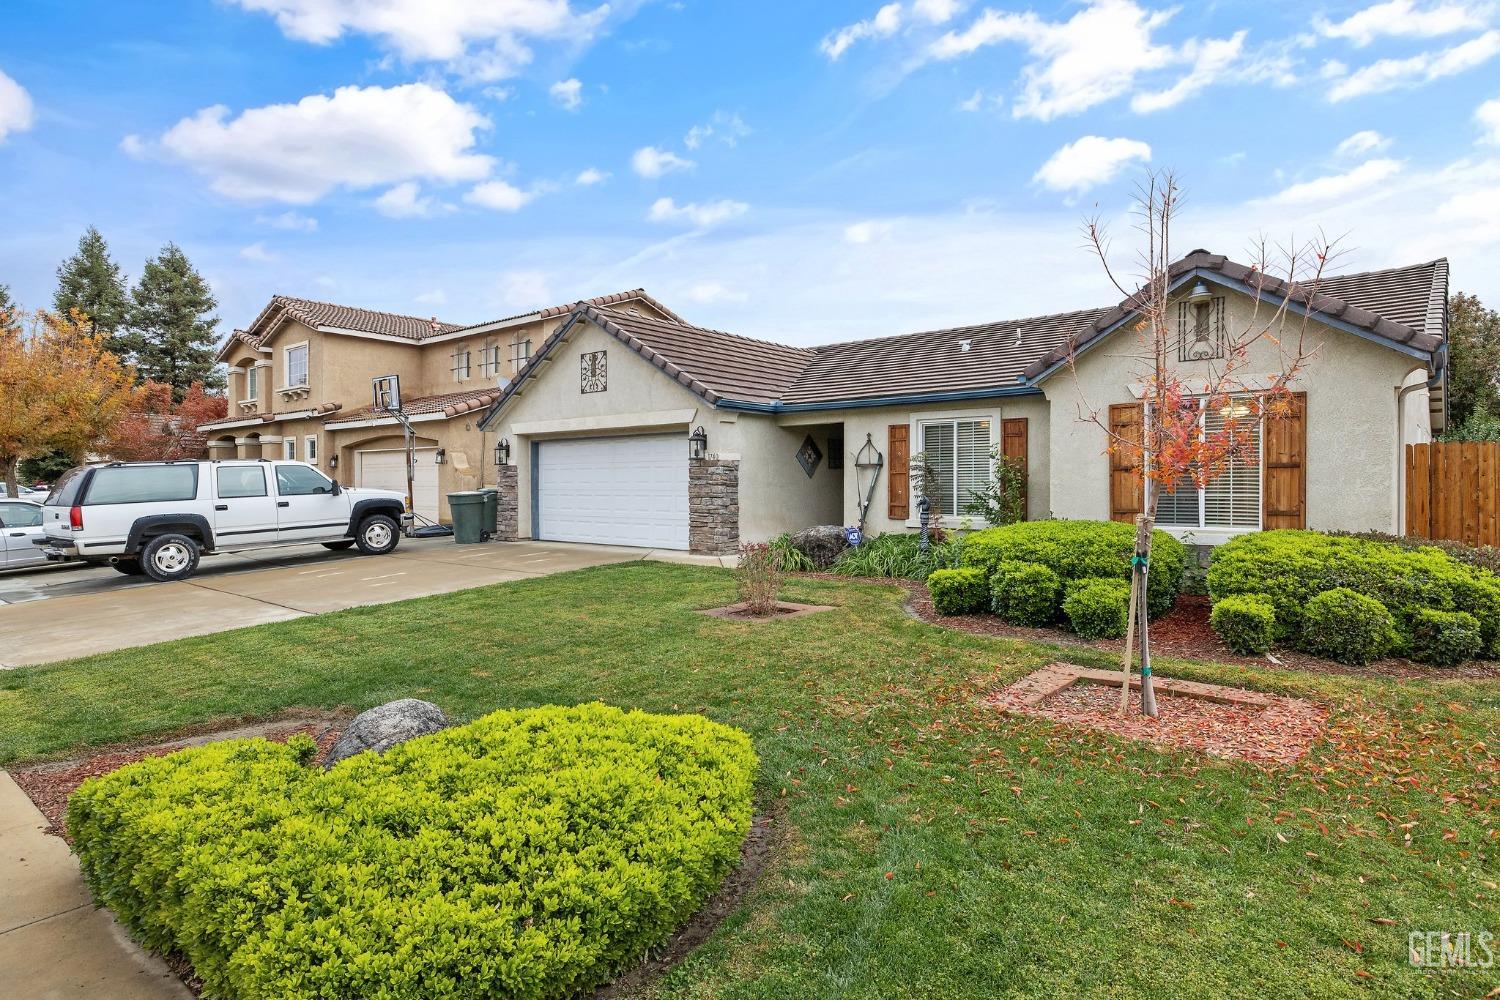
{"x":172,"y":336}
{"x":93,"y":284}
{"x":10,"y":313}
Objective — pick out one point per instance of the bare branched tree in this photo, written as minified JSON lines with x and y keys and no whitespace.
{"x":1238,"y":374}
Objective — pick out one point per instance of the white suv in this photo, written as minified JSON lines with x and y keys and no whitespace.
{"x":157,"y":518}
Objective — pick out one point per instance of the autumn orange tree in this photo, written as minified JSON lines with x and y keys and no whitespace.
{"x":60,"y":390}
{"x":1244,"y":381}
{"x":157,"y":429}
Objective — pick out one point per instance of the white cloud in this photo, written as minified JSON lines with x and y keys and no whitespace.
{"x":294,"y":221}
{"x":868,"y":231}
{"x":711,"y":292}
{"x":973,"y":102}
{"x":1488,"y":117}
{"x":360,"y":137}
{"x":134,"y":147}
{"x":1424,"y":67}
{"x":406,"y":201}
{"x":726,"y":127}
{"x":499,"y":195}
{"x":526,"y":289}
{"x":257,"y":253}
{"x":567,"y":93}
{"x":703,"y":215}
{"x":1090,"y":161}
{"x":486,"y":40}
{"x":589,"y":176}
{"x":1360,"y":143}
{"x":1405,"y":19}
{"x":886,"y":22}
{"x":936,"y":11}
{"x":1211,"y":60}
{"x":649,"y":161}
{"x":16,"y":111}
{"x":1336,"y":186}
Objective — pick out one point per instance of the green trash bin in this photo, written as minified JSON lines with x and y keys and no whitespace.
{"x":468,"y":516}
{"x":491,"y":510}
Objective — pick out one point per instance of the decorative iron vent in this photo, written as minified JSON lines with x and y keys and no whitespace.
{"x":593,"y":372}
{"x":1200,"y":330}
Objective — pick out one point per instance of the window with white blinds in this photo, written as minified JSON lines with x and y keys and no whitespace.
{"x":959,"y":453}
{"x":1231,"y":499}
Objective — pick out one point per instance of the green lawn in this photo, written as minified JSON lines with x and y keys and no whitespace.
{"x":927,"y":846}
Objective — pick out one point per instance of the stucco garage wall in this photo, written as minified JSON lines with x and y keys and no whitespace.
{"x":640,"y":399}
{"x":1353,"y":473}
{"x":876,"y":422}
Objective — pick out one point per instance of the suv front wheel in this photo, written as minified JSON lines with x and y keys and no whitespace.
{"x":169,"y":557}
{"x":377,"y":535}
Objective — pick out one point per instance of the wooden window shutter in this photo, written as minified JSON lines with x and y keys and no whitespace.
{"x":1013,"y":446}
{"x":1284,"y":478}
{"x":899,"y":505}
{"x":1127,"y":494}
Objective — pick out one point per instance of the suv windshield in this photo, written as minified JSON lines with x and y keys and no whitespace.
{"x":142,"y":484}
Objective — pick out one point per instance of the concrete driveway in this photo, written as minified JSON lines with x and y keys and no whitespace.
{"x":58,"y":612}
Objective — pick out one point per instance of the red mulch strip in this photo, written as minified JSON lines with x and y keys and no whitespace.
{"x":1277,"y":732}
{"x":1184,"y":634}
{"x":49,"y":785}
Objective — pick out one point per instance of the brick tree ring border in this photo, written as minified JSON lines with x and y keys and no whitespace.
{"x":1227,"y":722}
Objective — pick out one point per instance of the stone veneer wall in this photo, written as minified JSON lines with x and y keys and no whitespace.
{"x":508,"y":505}
{"x":714,"y":506}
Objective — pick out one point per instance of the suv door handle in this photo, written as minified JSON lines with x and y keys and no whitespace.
{"x":283,"y":503}
{"x":221,"y":506}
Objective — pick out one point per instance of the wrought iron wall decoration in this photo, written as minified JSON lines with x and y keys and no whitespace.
{"x":1200,"y":330}
{"x":593,"y":371}
{"x":809,"y":455}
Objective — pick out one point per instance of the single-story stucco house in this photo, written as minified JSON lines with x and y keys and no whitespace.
{"x":600,"y":425}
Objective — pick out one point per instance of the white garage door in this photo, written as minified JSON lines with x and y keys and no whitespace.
{"x":386,"y":470}
{"x":614,"y":491}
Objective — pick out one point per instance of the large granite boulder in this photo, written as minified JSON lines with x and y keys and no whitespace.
{"x":821,"y":544}
{"x":383,"y":726}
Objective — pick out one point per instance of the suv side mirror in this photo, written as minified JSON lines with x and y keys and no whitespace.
{"x":337,"y":489}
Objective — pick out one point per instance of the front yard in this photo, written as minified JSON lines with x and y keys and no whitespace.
{"x":925,"y":843}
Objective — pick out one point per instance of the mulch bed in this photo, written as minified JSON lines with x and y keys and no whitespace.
{"x":49,"y":785}
{"x":784,"y":609}
{"x":1184,"y":634}
{"x":1208,"y":718}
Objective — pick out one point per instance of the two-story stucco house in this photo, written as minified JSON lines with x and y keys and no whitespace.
{"x":300,"y":387}
{"x":634,"y":428}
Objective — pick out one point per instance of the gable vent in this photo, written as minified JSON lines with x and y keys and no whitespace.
{"x":964,"y":345}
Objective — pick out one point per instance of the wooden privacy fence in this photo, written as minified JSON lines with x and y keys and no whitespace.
{"x":1453,"y":491}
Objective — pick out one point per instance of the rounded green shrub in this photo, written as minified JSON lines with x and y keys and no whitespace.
{"x":528,"y":854}
{"x":1098,"y":608}
{"x":1246,"y":623}
{"x":1290,"y":567}
{"x":1445,"y":638}
{"x":1024,"y":593}
{"x":1345,"y":625}
{"x":958,"y":591}
{"x":1078,"y":549}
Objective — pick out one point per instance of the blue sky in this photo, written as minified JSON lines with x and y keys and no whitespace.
{"x":806,"y":172}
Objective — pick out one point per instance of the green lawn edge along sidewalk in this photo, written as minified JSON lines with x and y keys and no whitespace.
{"x":925,"y":845}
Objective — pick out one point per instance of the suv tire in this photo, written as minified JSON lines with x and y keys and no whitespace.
{"x":340,"y":545}
{"x":169,"y":557}
{"x":130,"y":567}
{"x":377,"y":535}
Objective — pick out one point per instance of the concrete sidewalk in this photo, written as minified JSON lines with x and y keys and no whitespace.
{"x":49,"y":614}
{"x":54,"y":944}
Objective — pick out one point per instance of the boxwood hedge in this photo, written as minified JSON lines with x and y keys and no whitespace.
{"x":1292,"y":567}
{"x":960,"y":591}
{"x":1097,"y":607}
{"x":1078,"y":549}
{"x":527,"y":854}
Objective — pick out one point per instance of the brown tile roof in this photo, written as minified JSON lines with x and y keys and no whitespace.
{"x":613,"y":299}
{"x":1405,"y":306}
{"x":996,"y":357}
{"x":266,"y":418}
{"x":448,"y":403}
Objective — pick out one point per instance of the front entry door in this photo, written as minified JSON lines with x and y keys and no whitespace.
{"x":244,"y":510}
{"x":307,"y":509}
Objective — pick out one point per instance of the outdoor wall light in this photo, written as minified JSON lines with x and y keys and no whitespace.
{"x":502,"y":452}
{"x":441,"y":456}
{"x":1200,"y":295}
{"x":333,"y":461}
{"x":698,"y":444}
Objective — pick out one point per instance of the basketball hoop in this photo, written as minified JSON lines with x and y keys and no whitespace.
{"x":387,"y":393}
